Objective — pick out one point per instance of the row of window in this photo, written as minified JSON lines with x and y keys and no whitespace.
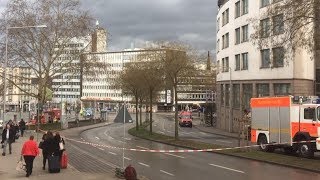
{"x":70,"y":45}
{"x":66,"y":89}
{"x":98,"y":87}
{"x":69,"y":58}
{"x":241,"y":8}
{"x":262,"y":90}
{"x":65,"y":83}
{"x":264,"y":3}
{"x":241,"y":36}
{"x":102,"y":95}
{"x":66,"y":96}
{"x":277,"y":26}
{"x":274,"y":60}
{"x":241,"y":62}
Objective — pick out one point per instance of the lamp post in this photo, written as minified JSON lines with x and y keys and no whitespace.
{"x":6,"y":62}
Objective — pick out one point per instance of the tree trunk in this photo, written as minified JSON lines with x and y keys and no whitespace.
{"x":176,"y":133}
{"x":137,"y":115}
{"x":140,"y":112}
{"x":150,"y":112}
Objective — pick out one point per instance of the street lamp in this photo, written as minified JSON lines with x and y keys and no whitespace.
{"x":6,"y":62}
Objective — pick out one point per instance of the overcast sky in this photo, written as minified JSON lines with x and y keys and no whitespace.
{"x":137,"y":21}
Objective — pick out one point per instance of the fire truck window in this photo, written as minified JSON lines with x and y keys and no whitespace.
{"x":309,"y":113}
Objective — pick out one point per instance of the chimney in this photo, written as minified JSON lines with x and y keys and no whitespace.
{"x":209,"y":62}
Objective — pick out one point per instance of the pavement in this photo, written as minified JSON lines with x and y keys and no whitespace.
{"x":8,"y":164}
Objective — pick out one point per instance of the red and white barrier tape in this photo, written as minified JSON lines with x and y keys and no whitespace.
{"x":174,"y":151}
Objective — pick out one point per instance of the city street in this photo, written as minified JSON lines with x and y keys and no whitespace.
{"x":87,"y":158}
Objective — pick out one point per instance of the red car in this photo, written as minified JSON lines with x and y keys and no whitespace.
{"x":185,"y":119}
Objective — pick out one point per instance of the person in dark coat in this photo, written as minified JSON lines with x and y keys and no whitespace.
{"x":59,"y":140}
{"x":42,"y":144}
{"x":22,"y":126}
{"x":7,"y":138}
{"x":51,"y":146}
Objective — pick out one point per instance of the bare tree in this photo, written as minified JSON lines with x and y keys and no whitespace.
{"x":176,"y":60}
{"x":131,"y":83}
{"x":42,"y":50}
{"x":288,"y":23}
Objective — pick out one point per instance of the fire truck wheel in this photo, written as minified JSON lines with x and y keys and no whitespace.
{"x":263,"y":144}
{"x":305,"y":150}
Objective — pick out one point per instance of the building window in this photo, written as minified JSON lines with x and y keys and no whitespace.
{"x":236,"y":95}
{"x":237,"y":57}
{"x":278,"y":24}
{"x":244,"y":61}
{"x":278,"y":57}
{"x":218,"y":24}
{"x":264,"y":3}
{"x":281,"y":89}
{"x":227,"y":93}
{"x":225,"y":17}
{"x":218,"y":45}
{"x":265,"y":58}
{"x":226,"y":65}
{"x":265,"y":28}
{"x":226,"y":40}
{"x":245,"y":7}
{"x":237,"y":33}
{"x":247,"y":95}
{"x":222,"y":94}
{"x":237,"y":9}
{"x":245,"y":33}
{"x":263,"y":90}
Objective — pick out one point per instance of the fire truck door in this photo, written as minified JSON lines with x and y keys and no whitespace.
{"x":279,"y":125}
{"x":309,"y":123}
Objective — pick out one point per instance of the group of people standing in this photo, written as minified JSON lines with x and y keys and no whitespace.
{"x":10,"y":133}
{"x":51,"y":145}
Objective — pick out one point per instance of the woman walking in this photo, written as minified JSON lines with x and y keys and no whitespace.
{"x":29,"y":152}
{"x":61,"y":143}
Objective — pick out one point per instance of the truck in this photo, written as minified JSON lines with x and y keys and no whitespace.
{"x":291,"y":123}
{"x":185,"y":119}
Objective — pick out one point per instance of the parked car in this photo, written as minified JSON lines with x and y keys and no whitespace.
{"x":185,"y":119}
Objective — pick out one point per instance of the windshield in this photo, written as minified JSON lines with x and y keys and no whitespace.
{"x":185,"y":117}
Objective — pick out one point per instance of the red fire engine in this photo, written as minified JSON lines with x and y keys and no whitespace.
{"x":278,"y":122}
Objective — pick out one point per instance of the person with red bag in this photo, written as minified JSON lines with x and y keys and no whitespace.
{"x":29,"y":152}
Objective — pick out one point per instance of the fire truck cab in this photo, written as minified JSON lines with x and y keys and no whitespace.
{"x":292,"y":123}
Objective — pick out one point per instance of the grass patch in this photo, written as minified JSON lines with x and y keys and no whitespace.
{"x":46,"y":127}
{"x":275,"y":158}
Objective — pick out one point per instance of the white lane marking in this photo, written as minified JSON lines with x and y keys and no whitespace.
{"x":142,"y":147}
{"x":112,"y":153}
{"x":143,"y":164}
{"x":97,"y":137}
{"x":101,"y":149}
{"x":161,"y":132}
{"x":127,"y":158}
{"x":229,"y":142}
{"x":128,"y":139}
{"x":203,"y":133}
{"x":174,"y":155}
{"x":166,"y":173}
{"x":230,"y":169}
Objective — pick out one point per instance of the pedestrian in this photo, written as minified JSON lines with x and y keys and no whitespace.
{"x":22,"y":126}
{"x":29,"y":152}
{"x":51,"y":146}
{"x":7,"y":139}
{"x":42,"y":146}
{"x":61,"y":143}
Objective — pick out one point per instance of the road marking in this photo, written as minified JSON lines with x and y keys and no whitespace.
{"x":112,"y":153}
{"x":166,"y":173}
{"x":174,"y":155}
{"x":169,"y":131}
{"x":128,"y":139}
{"x":230,"y":169}
{"x":101,"y":149}
{"x":127,"y":158}
{"x":142,"y":147}
{"x":161,"y":132}
{"x":143,"y":164}
{"x":203,"y":133}
{"x":224,"y":141}
{"x":97,"y":137}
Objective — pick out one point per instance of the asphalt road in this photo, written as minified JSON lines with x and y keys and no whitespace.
{"x":164,"y":124}
{"x":167,"y":166}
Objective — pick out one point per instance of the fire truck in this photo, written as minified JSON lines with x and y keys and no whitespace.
{"x":291,"y":123}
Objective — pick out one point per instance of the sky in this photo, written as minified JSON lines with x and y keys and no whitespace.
{"x":138,"y":21}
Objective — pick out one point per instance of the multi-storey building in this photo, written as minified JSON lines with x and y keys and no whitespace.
{"x":246,"y":70}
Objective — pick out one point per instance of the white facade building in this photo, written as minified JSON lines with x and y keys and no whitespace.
{"x":245,"y":71}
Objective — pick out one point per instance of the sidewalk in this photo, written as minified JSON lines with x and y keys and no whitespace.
{"x":213,"y":130}
{"x":8,"y":167}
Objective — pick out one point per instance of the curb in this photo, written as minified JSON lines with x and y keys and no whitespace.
{"x":233,"y":137}
{"x":232,"y":155}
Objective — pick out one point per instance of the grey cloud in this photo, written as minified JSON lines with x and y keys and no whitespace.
{"x":127,"y":21}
